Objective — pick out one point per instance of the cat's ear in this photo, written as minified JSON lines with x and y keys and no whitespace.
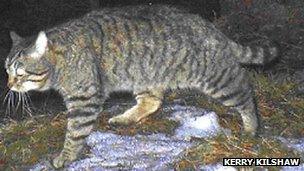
{"x":15,"y":37}
{"x":40,"y":45}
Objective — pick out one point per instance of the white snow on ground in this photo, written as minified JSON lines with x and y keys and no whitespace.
{"x":153,"y":152}
{"x":292,"y":168}
{"x":297,"y":144}
{"x":195,"y":122}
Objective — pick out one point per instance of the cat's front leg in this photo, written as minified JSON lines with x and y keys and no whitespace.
{"x":82,"y":114}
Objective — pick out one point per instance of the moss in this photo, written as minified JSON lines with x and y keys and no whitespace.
{"x":154,"y":124}
{"x":213,"y":106}
{"x":270,"y":90}
{"x":24,"y":143}
{"x":297,"y":104}
{"x":210,"y":151}
{"x":281,"y":110}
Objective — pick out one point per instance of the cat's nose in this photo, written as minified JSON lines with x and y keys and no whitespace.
{"x":11,"y":82}
{"x":9,"y":85}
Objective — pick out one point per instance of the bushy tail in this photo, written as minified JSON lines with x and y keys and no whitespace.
{"x":257,"y":53}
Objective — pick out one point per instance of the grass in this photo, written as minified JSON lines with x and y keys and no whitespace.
{"x":280,"y":108}
{"x":211,"y":151}
{"x":25,"y":142}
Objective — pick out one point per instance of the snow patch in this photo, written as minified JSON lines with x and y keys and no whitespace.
{"x":297,"y":144}
{"x":195,"y":122}
{"x":111,"y":151}
{"x":293,"y":168}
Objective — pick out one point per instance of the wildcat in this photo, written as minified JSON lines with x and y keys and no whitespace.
{"x":142,"y":49}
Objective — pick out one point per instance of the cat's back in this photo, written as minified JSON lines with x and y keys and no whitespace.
{"x":156,"y":16}
{"x":138,"y":12}
{"x":142,"y":20}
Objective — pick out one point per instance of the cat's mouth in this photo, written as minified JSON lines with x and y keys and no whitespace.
{"x":27,"y":84}
{"x":25,"y":87}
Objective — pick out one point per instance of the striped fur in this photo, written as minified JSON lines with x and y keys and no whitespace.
{"x":143,"y":49}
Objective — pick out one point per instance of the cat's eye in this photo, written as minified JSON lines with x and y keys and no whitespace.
{"x":20,"y":53}
{"x":20,"y":72}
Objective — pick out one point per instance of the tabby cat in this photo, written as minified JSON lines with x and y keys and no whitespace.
{"x":142,"y":49}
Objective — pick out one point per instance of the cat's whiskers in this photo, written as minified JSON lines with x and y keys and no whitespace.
{"x":23,"y":100}
{"x":5,"y":101}
{"x":28,"y":98}
{"x":27,"y":103}
{"x":12,"y":99}
{"x":19,"y":100}
{"x":23,"y":103}
{"x":6,"y":96}
{"x":9,"y":100}
{"x":13,"y":109}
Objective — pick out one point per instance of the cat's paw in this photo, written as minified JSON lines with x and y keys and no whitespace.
{"x":61,"y":161}
{"x":121,"y":120}
{"x":43,"y":165}
{"x":58,"y":162}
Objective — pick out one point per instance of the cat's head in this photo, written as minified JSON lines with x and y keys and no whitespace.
{"x":26,"y":65}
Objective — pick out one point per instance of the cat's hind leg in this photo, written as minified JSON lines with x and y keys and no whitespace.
{"x":148,"y":103}
{"x":231,"y":87}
